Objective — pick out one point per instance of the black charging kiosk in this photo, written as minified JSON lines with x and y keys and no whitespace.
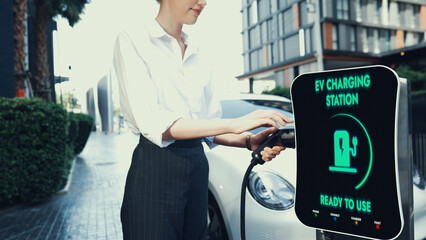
{"x":346,"y":125}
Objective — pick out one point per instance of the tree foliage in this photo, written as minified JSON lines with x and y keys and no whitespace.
{"x":416,"y":78}
{"x":69,"y":9}
{"x":45,"y":11}
{"x":279,"y":91}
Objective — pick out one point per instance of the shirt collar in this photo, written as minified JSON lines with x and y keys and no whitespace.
{"x":156,"y":31}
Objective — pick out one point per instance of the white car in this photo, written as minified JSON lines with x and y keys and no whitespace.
{"x":270,"y":197}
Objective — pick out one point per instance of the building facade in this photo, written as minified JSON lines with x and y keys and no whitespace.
{"x":7,"y":73}
{"x":285,"y":38}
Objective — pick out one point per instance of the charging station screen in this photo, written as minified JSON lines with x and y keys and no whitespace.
{"x":346,"y":159}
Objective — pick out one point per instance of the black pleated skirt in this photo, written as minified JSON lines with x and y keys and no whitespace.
{"x":166,"y":192}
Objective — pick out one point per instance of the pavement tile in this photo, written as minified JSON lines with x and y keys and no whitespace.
{"x":91,"y":207}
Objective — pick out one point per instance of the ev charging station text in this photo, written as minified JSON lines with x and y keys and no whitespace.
{"x":348,"y":203}
{"x":342,"y":90}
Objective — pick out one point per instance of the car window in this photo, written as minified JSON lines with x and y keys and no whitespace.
{"x":272,"y":103}
{"x":239,"y":108}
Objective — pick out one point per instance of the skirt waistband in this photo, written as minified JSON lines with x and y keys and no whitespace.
{"x":187,"y":143}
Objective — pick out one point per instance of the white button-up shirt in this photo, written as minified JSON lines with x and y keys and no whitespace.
{"x":158,"y":87}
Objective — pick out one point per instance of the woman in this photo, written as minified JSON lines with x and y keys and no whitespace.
{"x":166,"y":97}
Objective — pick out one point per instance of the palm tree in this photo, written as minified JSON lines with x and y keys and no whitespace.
{"x":45,"y":11}
{"x":19,"y":29}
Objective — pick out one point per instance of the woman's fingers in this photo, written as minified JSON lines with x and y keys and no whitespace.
{"x":260,"y":118}
{"x":270,"y":153}
{"x":277,"y":116}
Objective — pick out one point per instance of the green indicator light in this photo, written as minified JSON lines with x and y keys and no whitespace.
{"x":369,"y":144}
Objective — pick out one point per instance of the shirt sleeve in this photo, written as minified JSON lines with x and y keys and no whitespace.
{"x":138,"y":93}
{"x":213,"y":106}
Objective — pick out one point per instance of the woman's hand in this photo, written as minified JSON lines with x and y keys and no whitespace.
{"x":267,"y":153}
{"x":258,"y":118}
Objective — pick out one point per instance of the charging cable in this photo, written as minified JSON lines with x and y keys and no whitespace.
{"x":286,"y":137}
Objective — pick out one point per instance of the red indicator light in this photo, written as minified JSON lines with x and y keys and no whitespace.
{"x":377,"y":226}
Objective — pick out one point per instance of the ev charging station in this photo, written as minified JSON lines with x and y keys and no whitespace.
{"x":354,"y":164}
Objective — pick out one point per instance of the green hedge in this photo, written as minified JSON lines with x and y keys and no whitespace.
{"x":85,"y":125}
{"x":37,"y":142}
{"x":279,"y":91}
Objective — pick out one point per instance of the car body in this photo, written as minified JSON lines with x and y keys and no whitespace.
{"x":227,"y":168}
{"x":419,"y":208}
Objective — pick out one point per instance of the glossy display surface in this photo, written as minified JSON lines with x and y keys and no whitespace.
{"x":346,"y":157}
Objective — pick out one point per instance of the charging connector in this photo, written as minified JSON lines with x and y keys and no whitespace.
{"x":285,"y":136}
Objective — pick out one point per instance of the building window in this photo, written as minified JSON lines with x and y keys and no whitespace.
{"x":352,"y":33}
{"x":254,"y":37}
{"x":245,"y":41}
{"x":246,"y":63}
{"x":281,"y":50}
{"x":254,"y":61}
{"x":415,"y":20}
{"x":308,"y":40}
{"x":264,"y":9}
{"x":302,"y":51}
{"x":376,"y":41}
{"x":280,"y":24}
{"x":288,"y":20}
{"x":275,"y":52}
{"x":364,"y":40}
{"x":291,"y":46}
{"x":245,"y":18}
{"x":387,"y":40}
{"x":393,"y":13}
{"x":401,"y":14}
{"x":270,"y":54}
{"x":358,"y":14}
{"x":411,"y":38}
{"x":253,"y":13}
{"x":274,"y":6}
{"x":392,"y":36}
{"x":264,"y":32}
{"x":261,"y":55}
{"x":377,"y":11}
{"x":272,"y":29}
{"x":335,"y":38}
{"x":342,"y":9}
{"x":282,"y":3}
{"x":303,"y":13}
{"x":384,"y":38}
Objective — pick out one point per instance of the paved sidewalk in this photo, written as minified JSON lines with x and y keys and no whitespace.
{"x":91,"y":207}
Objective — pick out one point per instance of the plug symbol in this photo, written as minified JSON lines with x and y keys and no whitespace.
{"x":343,"y":152}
